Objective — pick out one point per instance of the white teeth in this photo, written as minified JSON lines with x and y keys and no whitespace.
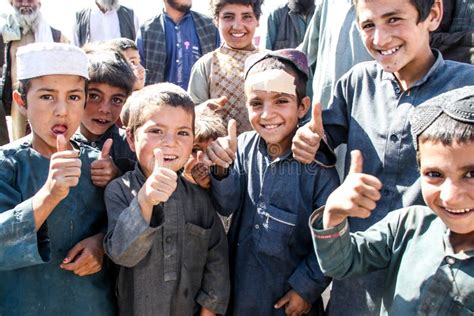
{"x":461,"y":211}
{"x":390,"y":51}
{"x":169,"y":157}
{"x":271,"y":126}
{"x":238,"y":35}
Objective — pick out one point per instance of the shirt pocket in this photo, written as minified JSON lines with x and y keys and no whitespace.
{"x":275,"y":229}
{"x":195,"y":250}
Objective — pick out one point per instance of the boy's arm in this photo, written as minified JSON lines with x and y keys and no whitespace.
{"x":215,"y":287}
{"x":198,"y":87}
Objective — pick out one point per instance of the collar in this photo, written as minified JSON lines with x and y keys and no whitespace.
{"x":169,"y":19}
{"x":262,"y":148}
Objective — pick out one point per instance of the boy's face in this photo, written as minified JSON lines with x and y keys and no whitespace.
{"x":133,"y":58}
{"x":168,"y":128}
{"x":274,"y":116}
{"x":447,"y":174}
{"x":394,"y":37}
{"x":237,"y":24}
{"x":55,"y":105}
{"x":102,"y":110}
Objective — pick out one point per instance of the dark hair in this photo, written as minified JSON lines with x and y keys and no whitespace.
{"x":276,"y":63}
{"x":143,"y":102}
{"x":121,"y":44}
{"x":216,"y":6}
{"x":447,"y":130}
{"x":422,"y":6}
{"x":24,"y":86}
{"x":110,"y":68}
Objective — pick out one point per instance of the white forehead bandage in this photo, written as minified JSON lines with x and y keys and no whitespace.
{"x":275,"y":80}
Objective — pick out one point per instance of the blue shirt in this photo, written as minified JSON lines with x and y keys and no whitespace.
{"x":32,"y":283}
{"x":425,"y":276}
{"x":269,"y":239}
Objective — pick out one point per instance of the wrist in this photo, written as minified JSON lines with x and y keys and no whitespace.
{"x":330,"y":219}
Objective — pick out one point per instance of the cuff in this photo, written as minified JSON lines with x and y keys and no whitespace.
{"x":317,"y":230}
{"x":211,"y":302}
{"x":306,"y":288}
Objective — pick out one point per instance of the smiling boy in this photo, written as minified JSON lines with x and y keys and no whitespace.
{"x":270,"y":194}
{"x":163,"y":230}
{"x":369,"y":111}
{"x":52,"y":218}
{"x":428,"y":251}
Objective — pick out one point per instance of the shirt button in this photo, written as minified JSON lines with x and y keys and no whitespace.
{"x":93,"y":144}
{"x":168,"y":239}
{"x":256,"y":226}
{"x":386,"y":192}
{"x":177,"y":60}
{"x":450,"y":260}
{"x":394,"y":138}
{"x":261,"y":205}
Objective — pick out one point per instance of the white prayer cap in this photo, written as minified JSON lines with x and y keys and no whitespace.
{"x":42,"y":59}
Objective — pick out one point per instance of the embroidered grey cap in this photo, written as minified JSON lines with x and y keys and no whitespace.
{"x":41,"y":59}
{"x":457,"y":103}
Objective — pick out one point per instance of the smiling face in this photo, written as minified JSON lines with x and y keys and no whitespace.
{"x":54,"y":105}
{"x":103,"y":108}
{"x":168,"y":128}
{"x":447,"y":174}
{"x":237,"y":24}
{"x":394,"y":37}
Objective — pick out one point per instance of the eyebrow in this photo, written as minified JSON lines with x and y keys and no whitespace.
{"x":384,"y":16}
{"x":55,"y":90}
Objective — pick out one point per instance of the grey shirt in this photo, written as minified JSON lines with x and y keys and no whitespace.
{"x":174,"y":263}
{"x":369,"y":112}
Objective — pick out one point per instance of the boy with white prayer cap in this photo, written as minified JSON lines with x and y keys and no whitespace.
{"x":52,"y":217}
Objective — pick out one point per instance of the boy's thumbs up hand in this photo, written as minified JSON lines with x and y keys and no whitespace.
{"x":222,"y":151}
{"x":356,"y":197}
{"x":160,"y":184}
{"x":215,"y":105}
{"x":307,"y":138}
{"x":104,"y":170}
{"x":64,"y":170}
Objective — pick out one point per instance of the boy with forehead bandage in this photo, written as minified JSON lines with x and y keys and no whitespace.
{"x":270,"y":194}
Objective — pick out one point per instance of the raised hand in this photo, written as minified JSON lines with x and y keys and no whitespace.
{"x":356,"y":197}
{"x":222,"y":151}
{"x":306,"y":140}
{"x":104,"y":170}
{"x":159,"y":186}
{"x":215,"y":105}
{"x":200,"y":171}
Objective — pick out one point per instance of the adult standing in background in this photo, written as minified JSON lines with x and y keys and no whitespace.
{"x":105,"y":20}
{"x":26,"y":25}
{"x":171,"y":42}
{"x":286,"y":25}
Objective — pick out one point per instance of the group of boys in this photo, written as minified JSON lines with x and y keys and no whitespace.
{"x":408,"y":121}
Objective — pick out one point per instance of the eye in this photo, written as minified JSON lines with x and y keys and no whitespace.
{"x":155,"y":131}
{"x":367,"y":26}
{"x":254,"y":103}
{"x":183,"y":133}
{"x":248,"y":17}
{"x":470,"y":174}
{"x":393,"y":20}
{"x":75,"y":97}
{"x":118,"y":101}
{"x":227,"y":17}
{"x":94,"y":96}
{"x":48,"y":97}
{"x":282,"y":101}
{"x":433,"y":174}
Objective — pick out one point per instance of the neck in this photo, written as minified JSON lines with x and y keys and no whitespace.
{"x":87,"y":134}
{"x":462,"y":242}
{"x":174,"y":14}
{"x":417,"y":69}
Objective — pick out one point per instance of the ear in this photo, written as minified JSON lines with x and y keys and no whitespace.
{"x":216,"y":21}
{"x":18,"y":100}
{"x":436,"y":15}
{"x":304,"y":106}
{"x":130,"y":139}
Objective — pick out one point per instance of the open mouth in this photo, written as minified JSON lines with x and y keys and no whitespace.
{"x":271,"y":126}
{"x":59,"y":129}
{"x":170,"y":158}
{"x":101,"y":122}
{"x":458,"y":212}
{"x":389,"y":52}
{"x":238,"y":35}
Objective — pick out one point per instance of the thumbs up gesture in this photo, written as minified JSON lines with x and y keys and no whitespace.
{"x":159,"y":186}
{"x":305,"y":143}
{"x":64,"y":170}
{"x":215,"y":105}
{"x":104,"y":170}
{"x":356,"y":197}
{"x":222,"y":151}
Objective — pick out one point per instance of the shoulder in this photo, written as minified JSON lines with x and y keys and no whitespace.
{"x":126,"y":9}
{"x":248,"y":139}
{"x":280,"y":11}
{"x":83,"y":11}
{"x":204,"y":18}
{"x":120,"y":185}
{"x":13,"y":155}
{"x":412,"y":218}
{"x":204,"y":62}
{"x":152,"y":22}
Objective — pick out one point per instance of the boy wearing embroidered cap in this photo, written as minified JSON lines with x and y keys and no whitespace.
{"x":273,"y":268}
{"x":428,"y":251}
{"x":52,"y":218}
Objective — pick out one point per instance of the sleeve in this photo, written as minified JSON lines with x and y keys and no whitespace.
{"x":129,"y":237}
{"x":215,"y":287}
{"x":342,"y":254}
{"x":227,"y":192}
{"x":139,"y":43}
{"x":199,"y":88}
{"x":271,"y":31}
{"x":20,"y":244}
{"x":308,"y":280}
{"x":310,"y":44}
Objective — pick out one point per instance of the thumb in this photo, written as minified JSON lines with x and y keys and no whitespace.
{"x":61,"y":143}
{"x":357,"y":162}
{"x":200,"y":156}
{"x":232,"y":133}
{"x":282,"y":301}
{"x":158,"y":159}
{"x":104,"y":154}
{"x":221,"y":101}
{"x":73,"y":253}
{"x":316,"y":123}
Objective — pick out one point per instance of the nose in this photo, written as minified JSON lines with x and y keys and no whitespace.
{"x":168,"y":139}
{"x":267,"y":111}
{"x":237,"y":25}
{"x":60,"y":109}
{"x":381,"y":37}
{"x":450,"y":193}
{"x":104,"y":106}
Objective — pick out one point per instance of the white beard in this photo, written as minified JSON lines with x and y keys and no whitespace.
{"x":28,"y":22}
{"x":109,"y":5}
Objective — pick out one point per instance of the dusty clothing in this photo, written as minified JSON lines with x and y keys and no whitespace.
{"x":173,"y":265}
